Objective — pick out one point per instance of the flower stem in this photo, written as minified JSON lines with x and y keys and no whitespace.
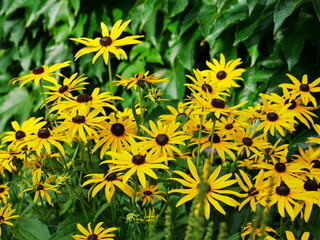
{"x":199,"y":141}
{"x":45,"y":104}
{"x":141,"y":106}
{"x":110,"y":76}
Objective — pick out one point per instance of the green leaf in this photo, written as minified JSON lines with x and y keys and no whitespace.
{"x":207,"y":14}
{"x":316,"y":4}
{"x":76,"y":6}
{"x":175,"y":88}
{"x":100,"y":210}
{"x":176,"y":7}
{"x":31,"y":229}
{"x":68,"y":227}
{"x":254,"y":54}
{"x":60,"y":33}
{"x":283,"y":10}
{"x":251,"y":4}
{"x":234,"y":237}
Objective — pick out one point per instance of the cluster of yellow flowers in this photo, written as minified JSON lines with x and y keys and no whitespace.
{"x":204,"y":134}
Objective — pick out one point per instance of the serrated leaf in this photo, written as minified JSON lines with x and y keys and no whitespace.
{"x":283,"y":10}
{"x":31,"y":229}
{"x":176,"y":7}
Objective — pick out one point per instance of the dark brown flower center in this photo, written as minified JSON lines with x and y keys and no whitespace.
{"x":268,"y":151}
{"x":83,"y":98}
{"x":1,"y":219}
{"x":63,"y":88}
{"x":24,"y":148}
{"x":204,"y":186}
{"x":252,"y":191}
{"x":147,"y":193}
{"x":304,"y":87}
{"x":111,"y":177}
{"x":138,"y":159}
{"x":316,"y":164}
{"x":117,"y":129}
{"x":221,"y":75}
{"x":92,"y":237}
{"x":217,"y":103}
{"x":1,"y":189}
{"x":280,"y":167}
{"x":105,"y":41}
{"x":216,"y":138}
{"x":292,"y":105}
{"x":38,"y":70}
{"x":272,"y":116}
{"x":310,"y":185}
{"x":247,"y":141}
{"x":43,"y":133}
{"x":20,"y":134}
{"x":40,"y":187}
{"x":207,"y":88}
{"x":162,"y":139}
{"x":229,"y":126}
{"x":283,"y":189}
{"x":79,"y":119}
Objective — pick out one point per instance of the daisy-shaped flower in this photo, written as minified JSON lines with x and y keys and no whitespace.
{"x":4,"y":192}
{"x":5,"y":215}
{"x":179,"y":114}
{"x":195,"y":121}
{"x":229,"y":124}
{"x":136,"y":160}
{"x":252,"y":191}
{"x":41,"y":189}
{"x":303,"y":88}
{"x":275,"y":117}
{"x":149,"y":192}
{"x":225,"y":73}
{"x":60,"y":91}
{"x":116,"y":134}
{"x":43,"y":72}
{"x":98,"y":233}
{"x":254,"y":231}
{"x":310,"y":185}
{"x":290,"y":236}
{"x":81,"y":122}
{"x":108,"y":43}
{"x":214,"y":188}
{"x":163,"y":138}
{"x":108,"y":181}
{"x":7,"y":157}
{"x":27,"y":128}
{"x":139,"y":80}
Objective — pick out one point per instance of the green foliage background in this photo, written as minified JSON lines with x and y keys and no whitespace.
{"x":273,"y":37}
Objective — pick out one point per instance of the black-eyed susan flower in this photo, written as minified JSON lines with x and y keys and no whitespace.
{"x":139,"y":80}
{"x":214,"y":188}
{"x":7,"y":158}
{"x":253,"y":192}
{"x":149,"y":192}
{"x":273,"y":153}
{"x":310,"y":185}
{"x":5,"y":215}
{"x":116,"y":134}
{"x":179,"y":114}
{"x":98,"y":233}
{"x":108,"y":43}
{"x":81,"y":123}
{"x":41,"y":189}
{"x":27,"y":128}
{"x":303,"y":88}
{"x":255,"y":231}
{"x":275,"y":117}
{"x":195,"y":121}
{"x":4,"y":192}
{"x":95,"y":100}
{"x":163,"y":138}
{"x":108,"y":182}
{"x":225,"y":73}
{"x":228,"y":124}
{"x":43,"y":72}
{"x":291,"y":236}
{"x":60,"y":91}
{"x":136,"y":160}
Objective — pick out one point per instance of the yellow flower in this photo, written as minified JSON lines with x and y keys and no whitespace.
{"x":139,"y":79}
{"x":148,"y":192}
{"x":108,"y":181}
{"x":43,"y":72}
{"x":5,"y":215}
{"x":107,"y":43}
{"x":98,"y":233}
{"x":213,"y":185}
{"x":4,"y":192}
{"x":290,"y":236}
{"x":256,"y":232}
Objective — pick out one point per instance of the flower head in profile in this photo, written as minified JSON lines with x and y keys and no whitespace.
{"x":4,"y":192}
{"x":254,"y":231}
{"x":5,"y":215}
{"x":108,"y":43}
{"x":43,"y":72}
{"x":139,"y":79}
{"x":98,"y":233}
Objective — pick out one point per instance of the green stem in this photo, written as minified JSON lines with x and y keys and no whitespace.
{"x":212,"y":137}
{"x":141,"y":106}
{"x":199,"y":141}
{"x":134,"y":194}
{"x":110,"y":76}
{"x":44,"y":212}
{"x":45,"y":103}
